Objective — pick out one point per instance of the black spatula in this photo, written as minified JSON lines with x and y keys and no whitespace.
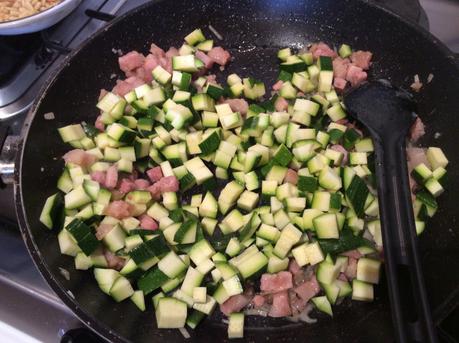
{"x":388,"y":114}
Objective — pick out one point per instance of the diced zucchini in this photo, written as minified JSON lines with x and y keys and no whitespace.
{"x":201,"y":251}
{"x":195,"y":37}
{"x":106,"y":278}
{"x":171,"y":265}
{"x":290,"y":235}
{"x":326,"y":226}
{"x":184,"y":63}
{"x":327,"y":272}
{"x":362,"y":291}
{"x":236,"y":325}
{"x":323,"y":305}
{"x":254,"y":264}
{"x":436,"y":158}
{"x":72,"y":132}
{"x":368,"y":270}
{"x":276,"y":264}
{"x":207,"y":307}
{"x":139,"y":300}
{"x":52,"y":213}
{"x":170,"y":313}
{"x":121,"y":289}
{"x":345,"y":50}
{"x":82,"y":262}
{"x":233,"y":286}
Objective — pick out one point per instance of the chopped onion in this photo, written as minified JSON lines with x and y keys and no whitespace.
{"x":385,"y":82}
{"x":256,"y":312}
{"x":367,"y":235}
{"x":49,"y":116}
{"x":339,"y":301}
{"x":372,"y":189}
{"x":71,"y":294}
{"x":65,"y":273}
{"x":417,"y":84}
{"x":215,"y":32}
{"x":430,"y":78}
{"x":304,"y":316}
{"x":294,"y":319}
{"x":304,"y":275}
{"x":118,"y":52}
{"x":184,"y":333}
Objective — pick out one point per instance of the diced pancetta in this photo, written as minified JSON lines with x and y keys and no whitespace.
{"x":99,"y":124}
{"x":147,"y":222}
{"x":114,"y":261}
{"x":98,"y":176}
{"x":278,"y":85}
{"x":155,"y":191}
{"x":208,"y":62}
{"x":281,"y":104}
{"x":102,"y":230}
{"x":126,"y":186}
{"x":291,"y":176}
{"x":156,"y":50}
{"x":307,"y":289}
{"x":293,"y":267}
{"x":219,"y":55}
{"x":258,"y":300}
{"x":119,"y":209}
{"x":339,"y":84}
{"x":281,"y":305}
{"x":416,"y":156}
{"x":131,"y":61}
{"x":169,"y":184}
{"x":351,"y":269}
{"x":155,"y":174}
{"x":340,"y":148}
{"x":353,"y":254}
{"x":355,"y":75}
{"x":321,"y":49}
{"x":273,"y":283}
{"x":111,"y":177}
{"x":141,"y":184}
{"x":238,"y":105}
{"x":361,"y":59}
{"x":79,"y":157}
{"x":417,"y":130}
{"x":237,"y":302}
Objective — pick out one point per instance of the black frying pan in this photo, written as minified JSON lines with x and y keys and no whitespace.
{"x":253,"y":31}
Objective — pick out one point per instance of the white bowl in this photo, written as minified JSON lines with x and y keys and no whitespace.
{"x":40,"y":20}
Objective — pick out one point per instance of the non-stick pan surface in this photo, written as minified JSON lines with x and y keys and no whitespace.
{"x":252,"y":31}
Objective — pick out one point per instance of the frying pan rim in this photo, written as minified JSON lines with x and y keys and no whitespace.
{"x":90,"y":321}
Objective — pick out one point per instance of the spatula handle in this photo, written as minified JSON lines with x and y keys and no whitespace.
{"x":410,"y":308}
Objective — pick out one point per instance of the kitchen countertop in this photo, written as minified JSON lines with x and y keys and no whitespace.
{"x":444,"y":21}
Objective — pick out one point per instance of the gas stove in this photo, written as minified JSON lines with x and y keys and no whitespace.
{"x":30,"y":311}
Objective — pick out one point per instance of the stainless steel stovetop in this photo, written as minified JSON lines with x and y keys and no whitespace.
{"x":29,"y":310}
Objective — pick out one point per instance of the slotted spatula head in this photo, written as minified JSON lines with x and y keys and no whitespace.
{"x":382,"y":108}
{"x":388,"y":114}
